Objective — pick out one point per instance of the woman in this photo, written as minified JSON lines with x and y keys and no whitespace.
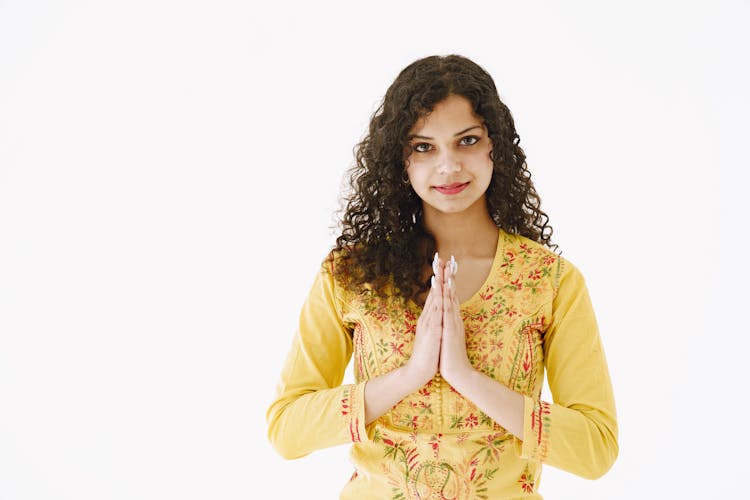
{"x":441,"y":288}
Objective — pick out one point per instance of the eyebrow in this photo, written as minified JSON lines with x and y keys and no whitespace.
{"x":414,"y":136}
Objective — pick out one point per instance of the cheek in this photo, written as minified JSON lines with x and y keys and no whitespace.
{"x":417,"y":169}
{"x":481,"y":158}
{"x":415,"y":161}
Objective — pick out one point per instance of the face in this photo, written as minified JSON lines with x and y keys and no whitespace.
{"x":450,"y":166}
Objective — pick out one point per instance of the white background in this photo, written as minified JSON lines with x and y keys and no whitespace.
{"x":169,"y":172}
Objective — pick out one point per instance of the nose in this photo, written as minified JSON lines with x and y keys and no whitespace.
{"x":448,"y":162}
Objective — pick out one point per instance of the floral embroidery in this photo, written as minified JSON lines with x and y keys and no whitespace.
{"x":505,"y":324}
{"x":527,"y":481}
{"x":540,"y":423}
{"x":491,"y":446}
{"x":347,"y":404}
{"x":527,"y":346}
{"x":415,"y":473}
{"x":363,"y":365}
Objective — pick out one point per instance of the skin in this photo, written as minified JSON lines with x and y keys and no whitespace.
{"x":440,"y":158}
{"x":451,"y":145}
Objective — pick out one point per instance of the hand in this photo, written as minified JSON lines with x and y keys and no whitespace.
{"x":454,"y":361}
{"x":425,"y":357}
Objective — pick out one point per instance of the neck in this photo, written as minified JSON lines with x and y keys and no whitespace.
{"x":471,"y":233}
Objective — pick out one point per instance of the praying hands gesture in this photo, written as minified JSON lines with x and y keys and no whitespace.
{"x":440,"y":347}
{"x":440,"y":340}
{"x":453,"y":358}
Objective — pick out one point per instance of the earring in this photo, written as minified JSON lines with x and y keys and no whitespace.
{"x":404,"y":177}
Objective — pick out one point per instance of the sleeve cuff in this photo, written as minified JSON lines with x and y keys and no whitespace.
{"x":353,"y":409}
{"x":536,"y":428}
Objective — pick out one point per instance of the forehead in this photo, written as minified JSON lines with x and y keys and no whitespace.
{"x":453,"y":112}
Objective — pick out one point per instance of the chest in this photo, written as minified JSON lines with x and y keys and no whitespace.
{"x":471,"y":276}
{"x":504,"y":325}
{"x":504,"y":340}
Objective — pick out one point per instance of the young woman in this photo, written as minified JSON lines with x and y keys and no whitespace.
{"x":441,"y":288}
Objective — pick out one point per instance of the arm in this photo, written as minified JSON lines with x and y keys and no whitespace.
{"x":503,"y":405}
{"x":578,"y":433}
{"x":312,"y":410}
{"x":385,"y":391}
{"x":500,"y":403}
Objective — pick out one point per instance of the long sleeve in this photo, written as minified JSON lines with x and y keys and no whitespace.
{"x":312,"y":410}
{"x":578,"y":433}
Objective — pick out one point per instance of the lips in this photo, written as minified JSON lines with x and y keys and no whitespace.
{"x":453,"y":188}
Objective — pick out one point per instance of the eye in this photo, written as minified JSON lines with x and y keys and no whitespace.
{"x":472,"y":139}
{"x":422,"y":147}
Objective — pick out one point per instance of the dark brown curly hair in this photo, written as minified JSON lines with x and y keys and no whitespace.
{"x":383,"y":240}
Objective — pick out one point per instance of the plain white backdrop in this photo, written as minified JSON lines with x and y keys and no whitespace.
{"x":169,"y":173}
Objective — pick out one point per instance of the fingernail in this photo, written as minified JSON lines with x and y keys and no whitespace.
{"x":454,"y":265}
{"x":450,"y":283}
{"x":435,"y":263}
{"x":432,"y":282}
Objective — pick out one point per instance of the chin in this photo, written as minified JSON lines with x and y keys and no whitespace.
{"x":449,"y":208}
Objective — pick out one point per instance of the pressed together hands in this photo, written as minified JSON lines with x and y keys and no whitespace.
{"x":439,"y":346}
{"x":440,"y":340}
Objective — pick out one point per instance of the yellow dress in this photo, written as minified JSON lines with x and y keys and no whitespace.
{"x":533,"y":312}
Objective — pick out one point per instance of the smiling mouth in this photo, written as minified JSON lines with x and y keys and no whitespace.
{"x":452,"y":188}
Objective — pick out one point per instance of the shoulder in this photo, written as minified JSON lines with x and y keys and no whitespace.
{"x":335,"y":259}
{"x":342,"y":267}
{"x":526,"y":245}
{"x":536,"y":259}
{"x":531,"y":256}
{"x":530,"y":264}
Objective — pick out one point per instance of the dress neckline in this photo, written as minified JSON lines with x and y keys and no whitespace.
{"x":496,"y":262}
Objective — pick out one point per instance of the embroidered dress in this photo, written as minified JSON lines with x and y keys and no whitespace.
{"x":532,"y":312}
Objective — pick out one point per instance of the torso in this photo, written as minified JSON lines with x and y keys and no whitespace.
{"x":441,"y":432}
{"x":472,"y":272}
{"x":470,"y":276}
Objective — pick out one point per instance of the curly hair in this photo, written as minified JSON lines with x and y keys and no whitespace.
{"x":383,"y":239}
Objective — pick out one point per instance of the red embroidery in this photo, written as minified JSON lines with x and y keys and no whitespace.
{"x":347,"y":410}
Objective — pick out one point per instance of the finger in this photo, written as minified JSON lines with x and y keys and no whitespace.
{"x":446,"y":272}
{"x":447,"y":300}
{"x":438,"y":269}
{"x":452,"y":288}
{"x":447,"y":275}
{"x":424,"y":315}
{"x":450,"y":282}
{"x":439,"y":289}
{"x":429,"y":303}
{"x":451,"y":306}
